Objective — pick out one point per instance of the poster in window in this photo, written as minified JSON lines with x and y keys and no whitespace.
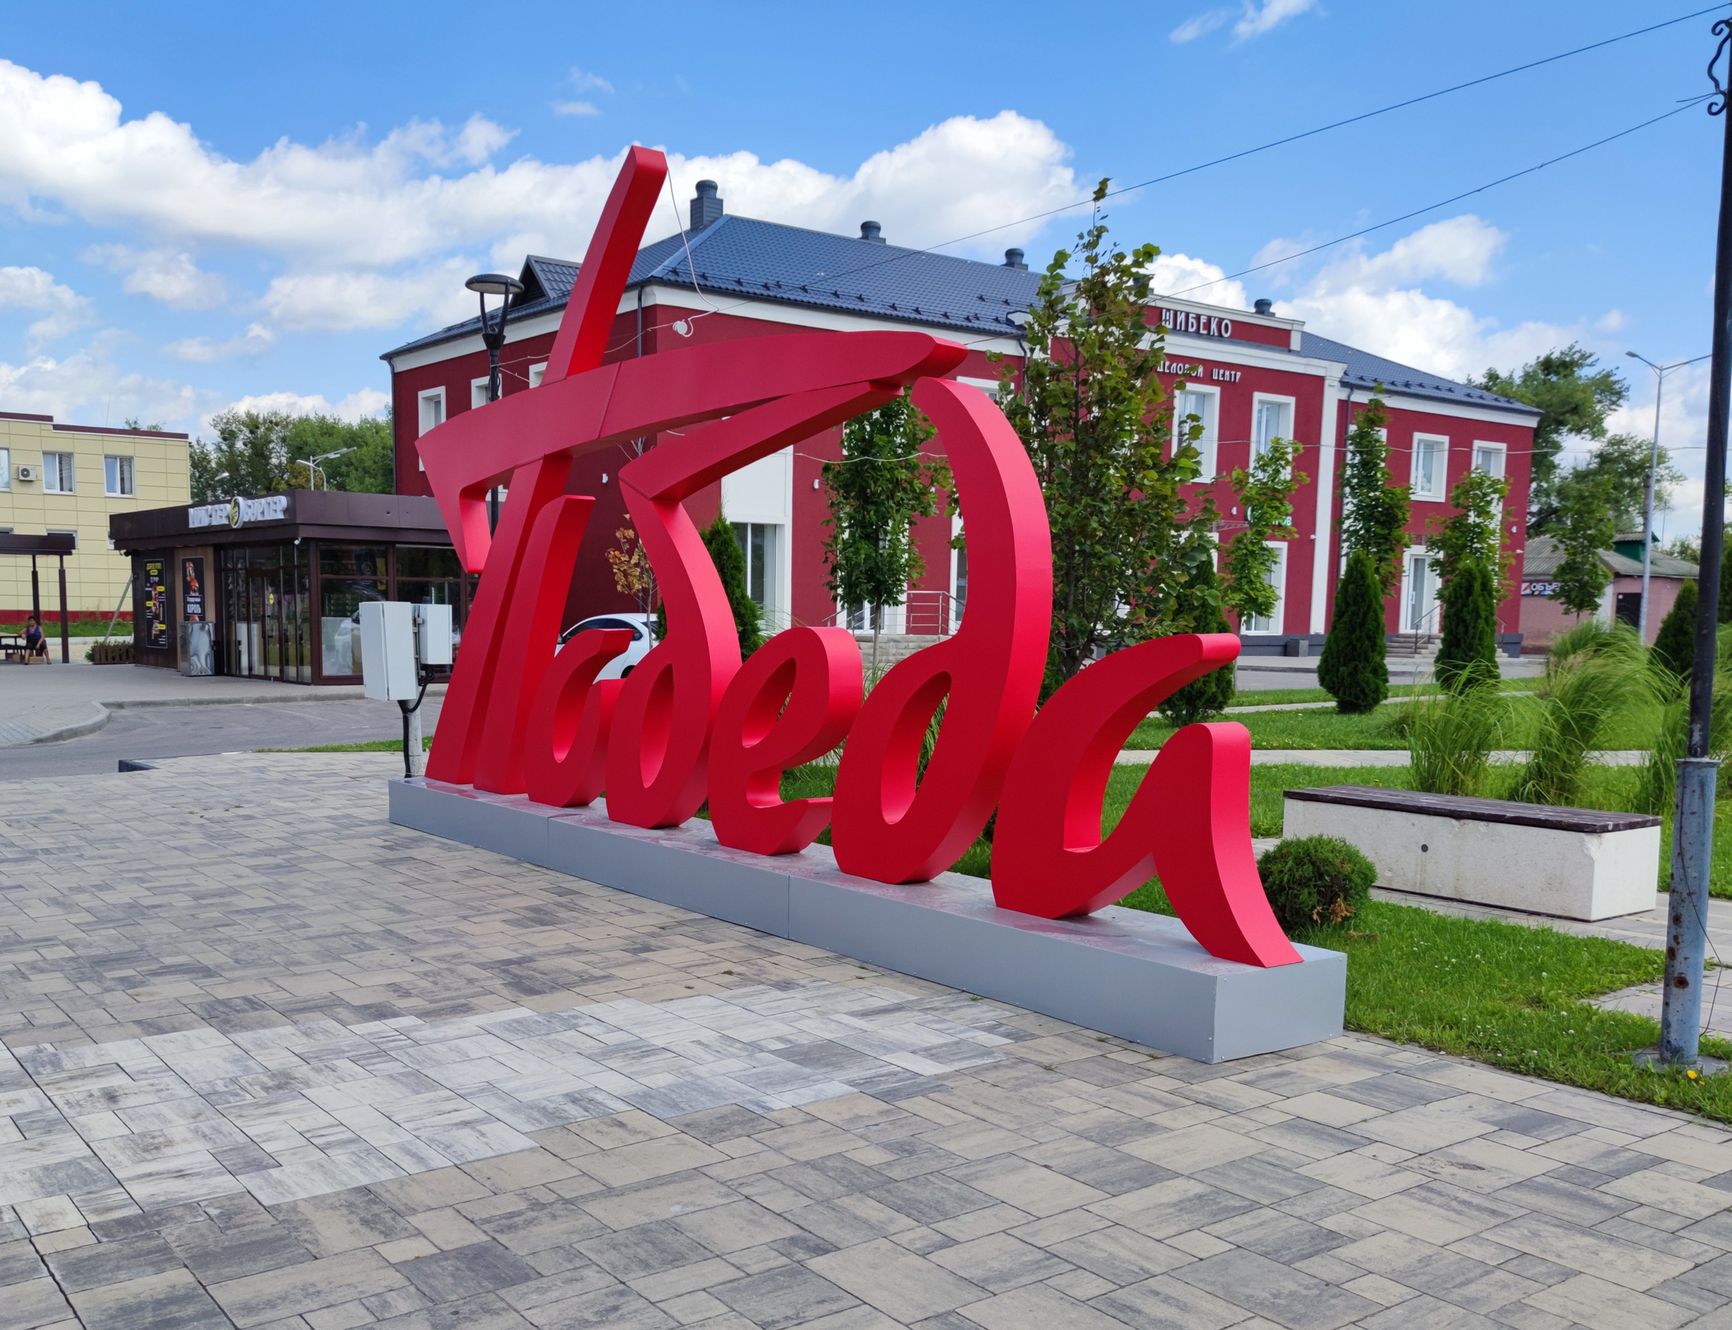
{"x":192,"y":589}
{"x":156,"y":604}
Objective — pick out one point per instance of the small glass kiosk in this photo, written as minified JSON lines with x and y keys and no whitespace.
{"x":271,"y":587}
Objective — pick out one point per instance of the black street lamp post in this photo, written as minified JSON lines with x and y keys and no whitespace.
{"x":493,"y":338}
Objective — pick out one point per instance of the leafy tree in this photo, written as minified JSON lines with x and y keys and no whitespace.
{"x":1352,"y":667}
{"x":883,"y":482}
{"x":1471,"y":533}
{"x":1689,"y":549}
{"x":1374,"y":509}
{"x":724,"y":548}
{"x":1724,"y":612}
{"x":1675,"y":645}
{"x":1622,"y":460}
{"x":1265,"y":494}
{"x":1467,"y":655}
{"x":632,"y":574}
{"x":1584,"y":528}
{"x":1128,"y":548}
{"x":248,"y":456}
{"x":1209,"y":695}
{"x":365,"y":466}
{"x":1575,"y":395}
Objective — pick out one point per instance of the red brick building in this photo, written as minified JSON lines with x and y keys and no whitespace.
{"x":1250,"y":375}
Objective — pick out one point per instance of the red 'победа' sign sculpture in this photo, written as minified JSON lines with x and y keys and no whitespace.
{"x":691,"y":723}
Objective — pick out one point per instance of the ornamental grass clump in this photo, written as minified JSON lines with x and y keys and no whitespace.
{"x":1315,"y":880}
{"x":1657,"y":782}
{"x":1450,"y":737}
{"x":1593,"y":673}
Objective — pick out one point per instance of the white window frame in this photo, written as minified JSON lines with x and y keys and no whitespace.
{"x":125,"y":473}
{"x":1278,"y":618}
{"x":478,"y":392}
{"x":1209,"y":442}
{"x":5,"y":468}
{"x":1440,"y":489}
{"x":1405,"y":622}
{"x":1290,"y":406}
{"x":422,"y":398}
{"x":1489,"y":445}
{"x":537,"y":373}
{"x":61,"y":473}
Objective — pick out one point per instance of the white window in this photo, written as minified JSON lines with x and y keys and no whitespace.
{"x":1429,"y":454}
{"x":117,"y":478}
{"x":759,"y":544}
{"x":57,"y":473}
{"x":537,"y":373}
{"x":478,"y":392}
{"x":1271,"y":419}
{"x":1205,"y":405}
{"x":1271,"y":623}
{"x":432,"y":408}
{"x":5,"y":468}
{"x":1489,"y":458}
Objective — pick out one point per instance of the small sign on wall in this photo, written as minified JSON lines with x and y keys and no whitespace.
{"x":156,"y":604}
{"x":192,"y":589}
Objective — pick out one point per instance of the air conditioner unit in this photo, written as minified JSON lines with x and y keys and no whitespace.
{"x":27,"y":473}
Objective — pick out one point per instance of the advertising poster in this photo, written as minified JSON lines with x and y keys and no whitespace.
{"x":156,"y":604}
{"x":192,"y":589}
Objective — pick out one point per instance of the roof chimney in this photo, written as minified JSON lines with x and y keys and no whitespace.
{"x":1264,"y":306}
{"x":870,"y":231}
{"x":1013,"y":259}
{"x":706,"y":206}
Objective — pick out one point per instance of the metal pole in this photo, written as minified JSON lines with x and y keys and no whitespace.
{"x":1648,"y":511}
{"x":65,"y":632}
{"x":1693,"y":828}
{"x":495,"y":341}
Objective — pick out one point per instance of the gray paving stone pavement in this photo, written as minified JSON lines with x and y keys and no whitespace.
{"x":269,"y":1061}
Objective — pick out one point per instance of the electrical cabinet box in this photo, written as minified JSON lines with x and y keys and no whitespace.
{"x":433,"y":634}
{"x":388,"y":650}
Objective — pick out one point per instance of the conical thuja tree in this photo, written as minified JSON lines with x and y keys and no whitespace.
{"x":1675,"y":644}
{"x":1352,"y":667}
{"x":724,"y":548}
{"x":1209,"y":695}
{"x":1467,"y":655}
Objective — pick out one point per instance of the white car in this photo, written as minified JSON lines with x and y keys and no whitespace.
{"x":642,"y":630}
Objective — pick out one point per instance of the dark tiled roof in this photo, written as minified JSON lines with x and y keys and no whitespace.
{"x":1365,"y":370}
{"x":1542,"y":556}
{"x":737,"y":258}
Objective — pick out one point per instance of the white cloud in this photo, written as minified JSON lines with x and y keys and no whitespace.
{"x":256,"y":340}
{"x":86,"y":388}
{"x":342,"y":300}
{"x":344,"y":203}
{"x":63,"y":310}
{"x":1268,"y":15}
{"x":362,"y":402}
{"x":170,"y":276}
{"x":1198,"y":279}
{"x":1199,"y":25}
{"x":579,"y":108}
{"x":584,"y":80}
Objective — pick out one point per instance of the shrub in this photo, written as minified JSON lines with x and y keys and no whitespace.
{"x":1467,"y":655}
{"x":109,"y":653}
{"x":1206,"y":697}
{"x":1312,"y":880}
{"x":1450,"y":737}
{"x":1657,"y":782}
{"x":1352,"y":668}
{"x":724,"y":548}
{"x":1675,"y":644}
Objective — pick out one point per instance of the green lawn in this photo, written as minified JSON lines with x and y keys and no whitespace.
{"x":1280,"y":696}
{"x":1326,"y":728}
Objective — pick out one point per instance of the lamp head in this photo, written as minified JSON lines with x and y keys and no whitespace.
{"x":494,"y":284}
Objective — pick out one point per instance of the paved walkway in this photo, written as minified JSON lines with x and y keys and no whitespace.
{"x":41,"y":704}
{"x":273,"y":1062}
{"x":1372,"y":757}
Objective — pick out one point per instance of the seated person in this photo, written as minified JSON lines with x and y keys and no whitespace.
{"x":35,"y":640}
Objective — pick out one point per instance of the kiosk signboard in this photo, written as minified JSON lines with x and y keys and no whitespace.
{"x":156,"y":604}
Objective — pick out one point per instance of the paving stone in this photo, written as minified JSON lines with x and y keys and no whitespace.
{"x":897,"y":1282}
{"x":1271,"y":1289}
{"x":169,"y":1301}
{"x":1048,"y":1309}
{"x":292,"y":1290}
{"x":781,"y":1298}
{"x":452,"y":1276}
{"x":344,"y":1221}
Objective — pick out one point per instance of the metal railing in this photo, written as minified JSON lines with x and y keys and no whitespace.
{"x":925,"y":613}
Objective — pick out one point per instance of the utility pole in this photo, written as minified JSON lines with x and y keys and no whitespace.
{"x":1693,"y":827}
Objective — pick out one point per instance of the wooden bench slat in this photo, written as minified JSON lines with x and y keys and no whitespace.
{"x":1503,"y":811}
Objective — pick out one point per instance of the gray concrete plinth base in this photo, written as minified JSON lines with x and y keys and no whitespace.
{"x":1124,"y":972}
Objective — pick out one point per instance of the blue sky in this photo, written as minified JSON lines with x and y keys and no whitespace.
{"x":205,"y":204}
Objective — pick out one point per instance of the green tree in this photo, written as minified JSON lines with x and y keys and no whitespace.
{"x":730,"y":562}
{"x":1575,"y":395}
{"x":1723,"y":613}
{"x":1209,"y":695}
{"x":1471,"y":534}
{"x":1374,"y":510}
{"x":1675,"y":644}
{"x":1265,"y":495}
{"x":365,"y":463}
{"x":883,"y":482}
{"x":249,"y":455}
{"x":1583,"y":528}
{"x":1467,"y":655}
{"x":1622,"y":460}
{"x":1094,"y":417}
{"x":1352,"y":667}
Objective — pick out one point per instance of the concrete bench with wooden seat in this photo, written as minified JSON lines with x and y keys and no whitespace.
{"x":1575,"y":863}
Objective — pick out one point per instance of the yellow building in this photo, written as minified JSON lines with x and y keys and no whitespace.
{"x":71,"y":478}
